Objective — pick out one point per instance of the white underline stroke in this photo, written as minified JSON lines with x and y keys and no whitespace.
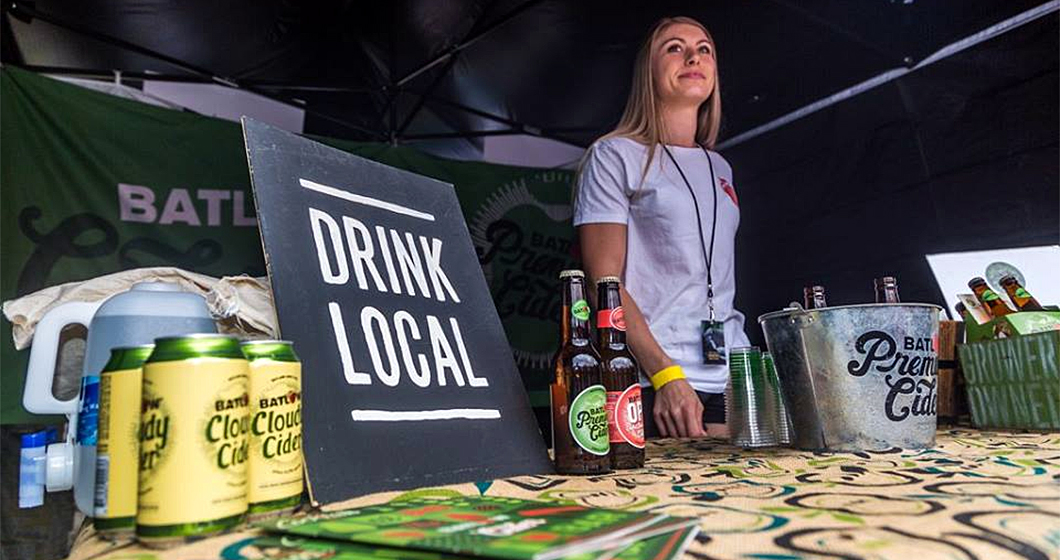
{"x":419,"y":415}
{"x":365,"y":200}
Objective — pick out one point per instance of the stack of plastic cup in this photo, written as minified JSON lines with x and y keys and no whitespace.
{"x":780,"y":410}
{"x":748,"y":407}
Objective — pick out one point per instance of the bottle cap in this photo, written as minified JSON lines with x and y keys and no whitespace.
{"x":573,"y":273}
{"x":605,"y":279}
{"x":36,"y":439}
{"x":60,"y":473}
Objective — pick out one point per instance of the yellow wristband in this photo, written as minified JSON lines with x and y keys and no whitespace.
{"x":666,"y":375}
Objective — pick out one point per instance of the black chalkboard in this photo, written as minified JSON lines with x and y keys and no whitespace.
{"x":408,"y":379}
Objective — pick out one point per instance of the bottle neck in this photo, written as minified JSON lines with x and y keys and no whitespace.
{"x":610,"y":322}
{"x":813,"y":297}
{"x":575,"y":320}
{"x":886,"y":292}
{"x":1019,"y":296}
{"x":990,"y":299}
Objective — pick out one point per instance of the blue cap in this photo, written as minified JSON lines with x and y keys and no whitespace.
{"x":36,"y":439}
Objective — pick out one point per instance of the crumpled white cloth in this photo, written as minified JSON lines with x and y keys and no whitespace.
{"x":241,"y":305}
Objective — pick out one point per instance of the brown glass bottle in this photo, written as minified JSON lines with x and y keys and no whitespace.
{"x":813,"y":297}
{"x":580,"y":438}
{"x":990,"y":300}
{"x":886,"y":290}
{"x":625,"y":412}
{"x":1022,"y":299}
{"x":960,"y":310}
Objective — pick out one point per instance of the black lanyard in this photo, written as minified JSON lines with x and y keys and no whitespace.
{"x":707,"y":257}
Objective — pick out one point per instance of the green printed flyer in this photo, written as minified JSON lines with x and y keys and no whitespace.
{"x":491,"y":527}
{"x":667,"y":546}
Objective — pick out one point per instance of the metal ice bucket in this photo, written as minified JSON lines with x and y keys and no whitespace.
{"x":858,"y":377}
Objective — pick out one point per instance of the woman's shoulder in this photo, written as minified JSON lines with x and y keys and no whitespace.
{"x":720,"y":160}
{"x":621,"y":146}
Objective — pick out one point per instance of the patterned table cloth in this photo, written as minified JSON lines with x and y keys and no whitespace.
{"x":976,"y":495}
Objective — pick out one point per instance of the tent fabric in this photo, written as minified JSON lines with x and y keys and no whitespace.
{"x":559,"y":68}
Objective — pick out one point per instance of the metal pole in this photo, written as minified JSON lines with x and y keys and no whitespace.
{"x":467,"y":43}
{"x":28,"y":10}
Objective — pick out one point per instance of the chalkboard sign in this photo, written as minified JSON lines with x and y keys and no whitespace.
{"x":408,"y":379}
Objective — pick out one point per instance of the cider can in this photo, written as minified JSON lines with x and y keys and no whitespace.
{"x":118,"y":443}
{"x":276,"y":462}
{"x":194,"y":439}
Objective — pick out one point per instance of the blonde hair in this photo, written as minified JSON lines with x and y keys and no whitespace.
{"x":641,"y":120}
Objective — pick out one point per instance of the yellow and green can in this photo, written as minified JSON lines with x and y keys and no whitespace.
{"x":118,"y":446}
{"x":194,"y":439}
{"x":276,"y":461}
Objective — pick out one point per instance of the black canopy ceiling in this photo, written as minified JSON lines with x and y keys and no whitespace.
{"x":413,"y":69}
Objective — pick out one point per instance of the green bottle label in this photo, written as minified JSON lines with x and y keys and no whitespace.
{"x":580,"y":310}
{"x":1021,"y":293}
{"x":989,"y":295}
{"x":588,"y":420}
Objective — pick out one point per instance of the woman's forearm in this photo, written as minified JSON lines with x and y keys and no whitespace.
{"x":651,"y":357}
{"x":646,"y":349}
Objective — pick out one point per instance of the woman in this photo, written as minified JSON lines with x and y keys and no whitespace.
{"x":639,"y":192}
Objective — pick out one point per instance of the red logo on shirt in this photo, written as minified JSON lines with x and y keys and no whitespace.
{"x":729,"y":190}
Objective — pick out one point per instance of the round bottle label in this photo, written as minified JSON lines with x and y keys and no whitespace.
{"x":626,"y":416}
{"x":611,"y":319}
{"x":1021,"y":293}
{"x":580,"y":310}
{"x":588,"y":420}
{"x":989,"y":295}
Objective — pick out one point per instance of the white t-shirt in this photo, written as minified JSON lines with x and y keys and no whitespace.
{"x":665,"y":270}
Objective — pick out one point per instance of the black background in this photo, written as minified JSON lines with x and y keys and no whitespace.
{"x":961,"y":155}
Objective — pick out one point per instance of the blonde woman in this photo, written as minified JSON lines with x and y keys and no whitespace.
{"x":654,"y":205}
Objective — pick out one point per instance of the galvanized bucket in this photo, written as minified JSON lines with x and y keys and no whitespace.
{"x":858,"y":377}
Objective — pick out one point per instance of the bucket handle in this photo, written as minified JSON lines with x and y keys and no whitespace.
{"x":800,"y":317}
{"x":40,"y":373}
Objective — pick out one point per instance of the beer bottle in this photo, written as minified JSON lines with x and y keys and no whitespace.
{"x":580,"y":438}
{"x":960,"y":309}
{"x":625,"y":413}
{"x":990,"y":300}
{"x":886,"y":290}
{"x":813,"y":297}
{"x":1023,"y":300}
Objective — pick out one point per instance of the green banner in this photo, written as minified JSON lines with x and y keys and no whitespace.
{"x":93,"y":184}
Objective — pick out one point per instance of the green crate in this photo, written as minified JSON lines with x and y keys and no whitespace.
{"x":1014,"y":382}
{"x":1022,"y":323}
